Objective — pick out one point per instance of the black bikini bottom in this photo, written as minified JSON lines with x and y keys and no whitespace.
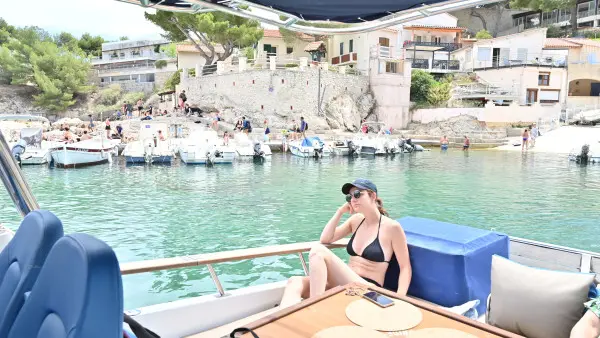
{"x":370,"y":281}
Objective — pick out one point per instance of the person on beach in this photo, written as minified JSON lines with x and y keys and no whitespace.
{"x":107,"y":128}
{"x":226,"y":138}
{"x":85,"y":136}
{"x":246,"y":126}
{"x":239,"y":125}
{"x":67,"y":135}
{"x":466,"y":144}
{"x":525,"y":144}
{"x":369,"y":258}
{"x":294,"y":130}
{"x":91,"y":121}
{"x":182,"y":99}
{"x":303,"y":127}
{"x":444,"y":143}
{"x":215,"y":122}
{"x":535,"y":132}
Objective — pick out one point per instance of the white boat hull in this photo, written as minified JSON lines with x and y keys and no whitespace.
{"x":36,"y":157}
{"x":72,"y":156}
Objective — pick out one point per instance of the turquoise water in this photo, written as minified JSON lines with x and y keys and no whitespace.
{"x":152,"y":212}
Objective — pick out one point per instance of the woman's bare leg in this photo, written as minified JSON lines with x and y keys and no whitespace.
{"x":297,"y":288}
{"x":327,"y":269}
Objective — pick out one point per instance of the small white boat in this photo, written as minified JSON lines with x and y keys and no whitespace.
{"x":344,"y":148}
{"x":376,"y":143}
{"x":311,"y":146}
{"x":151,"y":147}
{"x":248,"y":149}
{"x":205,"y":147}
{"x":36,"y":150}
{"x":84,"y":153}
{"x":592,"y":151}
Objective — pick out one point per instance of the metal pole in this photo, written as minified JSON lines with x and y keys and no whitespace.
{"x":319,"y":93}
{"x":303,"y":263}
{"x":215,"y":279}
{"x":13,"y":180}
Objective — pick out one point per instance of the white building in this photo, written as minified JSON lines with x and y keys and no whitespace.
{"x":128,"y":62}
{"x":519,"y":64}
{"x":429,"y":42}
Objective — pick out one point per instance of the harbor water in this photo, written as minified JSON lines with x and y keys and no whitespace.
{"x":148,"y":212}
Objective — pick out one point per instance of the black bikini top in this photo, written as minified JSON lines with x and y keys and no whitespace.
{"x":373,"y":251}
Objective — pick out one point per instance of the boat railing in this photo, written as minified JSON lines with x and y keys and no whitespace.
{"x":524,"y":251}
{"x":208,"y":259}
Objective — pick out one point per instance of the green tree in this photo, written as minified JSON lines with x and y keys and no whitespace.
{"x":91,"y":45}
{"x":173,"y":81}
{"x":160,"y":64}
{"x":548,"y":6}
{"x":68,"y":41}
{"x":556,"y":32}
{"x":439,"y":93}
{"x":483,"y":34}
{"x":32,"y":57}
{"x":124,"y":38}
{"x":421,"y":82}
{"x":170,"y":50}
{"x":207,"y":30}
{"x":5,"y":31}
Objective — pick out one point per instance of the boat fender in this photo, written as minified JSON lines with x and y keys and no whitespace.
{"x":242,"y":330}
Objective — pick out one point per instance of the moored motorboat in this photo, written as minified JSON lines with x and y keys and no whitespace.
{"x":154,"y":145}
{"x":310,"y":146}
{"x":246,"y":148}
{"x":203,"y":146}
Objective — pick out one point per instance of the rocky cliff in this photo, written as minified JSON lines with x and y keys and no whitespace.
{"x":284,"y":95}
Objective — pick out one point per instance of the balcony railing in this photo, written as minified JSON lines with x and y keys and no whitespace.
{"x":345,"y":58}
{"x":130,"y":57}
{"x":521,"y":60}
{"x":446,"y":64}
{"x":436,"y":66}
{"x":447,"y":46}
{"x":585,"y":14}
{"x":420,"y":63}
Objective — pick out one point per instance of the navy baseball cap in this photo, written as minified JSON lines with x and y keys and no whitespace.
{"x":360,"y":183}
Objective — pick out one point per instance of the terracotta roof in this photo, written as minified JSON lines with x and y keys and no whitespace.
{"x":190,"y":48}
{"x":274,"y":33}
{"x":558,"y":43}
{"x":434,"y":27}
{"x":584,"y":42}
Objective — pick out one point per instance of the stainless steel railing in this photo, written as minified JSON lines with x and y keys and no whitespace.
{"x":13,"y":180}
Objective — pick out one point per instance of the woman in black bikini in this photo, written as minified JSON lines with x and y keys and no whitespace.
{"x":374,"y":235}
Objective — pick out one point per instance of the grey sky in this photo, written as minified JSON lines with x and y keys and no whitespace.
{"x":108,"y":18}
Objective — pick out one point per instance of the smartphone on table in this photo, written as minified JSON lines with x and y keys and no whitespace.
{"x":378,"y":299}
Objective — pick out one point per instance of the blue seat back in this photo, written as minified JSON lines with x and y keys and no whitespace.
{"x":78,"y":294}
{"x":21,"y":261}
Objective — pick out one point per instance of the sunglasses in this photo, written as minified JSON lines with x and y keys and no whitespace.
{"x":356,"y":194}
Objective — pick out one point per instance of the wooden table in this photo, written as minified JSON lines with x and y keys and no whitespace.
{"x":313,"y":315}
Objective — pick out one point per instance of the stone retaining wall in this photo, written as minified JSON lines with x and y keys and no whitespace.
{"x":504,"y":114}
{"x":281,"y":91}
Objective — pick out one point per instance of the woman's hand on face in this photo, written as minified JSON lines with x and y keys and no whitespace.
{"x":346,"y":208}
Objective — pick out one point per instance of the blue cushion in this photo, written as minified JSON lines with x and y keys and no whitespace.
{"x":21,"y":260}
{"x":78,"y":294}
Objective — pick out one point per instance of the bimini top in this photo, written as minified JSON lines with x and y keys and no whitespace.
{"x":358,"y":15}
